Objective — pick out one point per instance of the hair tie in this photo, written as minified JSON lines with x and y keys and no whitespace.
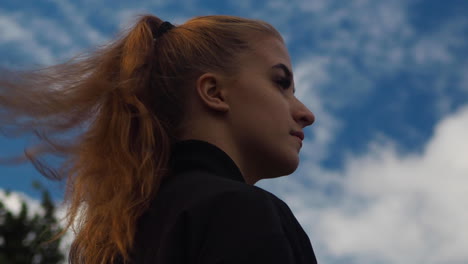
{"x":163,"y":28}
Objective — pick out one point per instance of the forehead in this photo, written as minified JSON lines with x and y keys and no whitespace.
{"x":267,"y":51}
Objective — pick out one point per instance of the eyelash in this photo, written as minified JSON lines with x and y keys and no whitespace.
{"x":284,"y":83}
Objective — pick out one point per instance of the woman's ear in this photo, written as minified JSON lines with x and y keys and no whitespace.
{"x":212,"y":92}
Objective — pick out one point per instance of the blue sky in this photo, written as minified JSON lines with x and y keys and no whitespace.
{"x":383,"y":170}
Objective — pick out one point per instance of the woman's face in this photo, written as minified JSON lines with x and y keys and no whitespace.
{"x":264,"y":111}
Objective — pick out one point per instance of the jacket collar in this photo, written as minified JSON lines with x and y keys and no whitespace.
{"x":197,"y":154}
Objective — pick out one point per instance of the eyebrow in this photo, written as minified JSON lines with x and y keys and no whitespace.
{"x":286,"y":71}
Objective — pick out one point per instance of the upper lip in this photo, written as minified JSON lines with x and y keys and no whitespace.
{"x":299,"y":134}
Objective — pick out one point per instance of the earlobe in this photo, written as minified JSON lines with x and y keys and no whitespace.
{"x":211,"y":92}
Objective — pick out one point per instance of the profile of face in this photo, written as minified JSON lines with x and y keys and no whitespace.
{"x":251,"y":115}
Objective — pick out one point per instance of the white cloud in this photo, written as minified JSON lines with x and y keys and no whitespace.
{"x":309,"y":75}
{"x":45,"y":40}
{"x":77,"y":18}
{"x":376,"y":31}
{"x":436,"y":47}
{"x":13,"y":202}
{"x":125,"y":18}
{"x":12,"y":31}
{"x":9,"y":29}
{"x":312,"y":6}
{"x":50,"y":31}
{"x":464,"y":78}
{"x":390,"y":207}
{"x":69,"y":236}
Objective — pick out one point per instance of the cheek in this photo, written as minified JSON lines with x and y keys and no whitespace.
{"x":258,"y":107}
{"x":260,"y":120}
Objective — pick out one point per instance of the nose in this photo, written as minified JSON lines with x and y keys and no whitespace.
{"x":303,"y":115}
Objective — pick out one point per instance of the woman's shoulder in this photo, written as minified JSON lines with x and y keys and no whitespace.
{"x":243,"y":208}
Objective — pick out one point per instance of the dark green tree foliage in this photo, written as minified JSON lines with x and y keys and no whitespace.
{"x":26,"y":240}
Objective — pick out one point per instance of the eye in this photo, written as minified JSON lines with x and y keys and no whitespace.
{"x":285,"y":83}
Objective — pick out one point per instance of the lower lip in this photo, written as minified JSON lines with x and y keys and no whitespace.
{"x":300,"y":140}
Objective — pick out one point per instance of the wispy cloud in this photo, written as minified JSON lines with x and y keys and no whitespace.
{"x":46,"y":40}
{"x":78,"y":20}
{"x":15,"y":33}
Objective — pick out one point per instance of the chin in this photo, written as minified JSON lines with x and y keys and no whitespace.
{"x":289,"y":167}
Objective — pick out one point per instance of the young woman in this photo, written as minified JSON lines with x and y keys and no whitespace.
{"x":167,"y":129}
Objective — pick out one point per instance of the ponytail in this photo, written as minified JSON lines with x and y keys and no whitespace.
{"x":115,"y":166}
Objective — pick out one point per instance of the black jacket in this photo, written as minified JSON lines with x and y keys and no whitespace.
{"x":205,"y":213}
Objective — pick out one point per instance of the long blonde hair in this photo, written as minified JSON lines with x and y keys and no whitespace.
{"x":113,"y":114}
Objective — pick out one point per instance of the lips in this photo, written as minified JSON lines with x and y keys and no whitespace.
{"x":298,"y":134}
